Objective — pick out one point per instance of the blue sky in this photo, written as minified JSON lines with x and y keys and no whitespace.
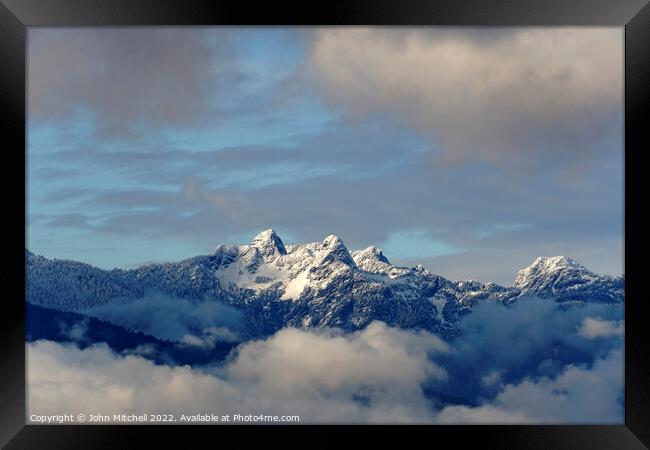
{"x":470,"y":151}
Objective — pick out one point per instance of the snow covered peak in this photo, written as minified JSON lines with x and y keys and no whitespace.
{"x":547,"y":269}
{"x":269,"y":244}
{"x":332,"y":240}
{"x":371,"y":253}
{"x":333,"y":249}
{"x":371,"y":260}
{"x":557,"y":262}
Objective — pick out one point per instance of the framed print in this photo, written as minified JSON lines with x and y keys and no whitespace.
{"x":369,"y":214}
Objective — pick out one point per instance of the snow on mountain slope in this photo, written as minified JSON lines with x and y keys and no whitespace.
{"x":269,"y":245}
{"x":315,"y":284}
{"x":373,"y":260}
{"x":544,"y":271}
{"x":564,"y":279}
{"x":266,"y":264}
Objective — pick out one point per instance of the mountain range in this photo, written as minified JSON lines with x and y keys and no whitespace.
{"x":318,"y":284}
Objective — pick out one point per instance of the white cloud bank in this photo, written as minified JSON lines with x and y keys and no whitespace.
{"x":325,"y":376}
{"x":374,"y":375}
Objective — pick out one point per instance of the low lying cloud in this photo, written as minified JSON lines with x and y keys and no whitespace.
{"x":210,"y":337}
{"x":527,"y":98}
{"x":194,"y":323}
{"x":377,"y":375}
{"x":374,"y":375}
{"x":593,"y":327}
{"x":384,"y":358}
{"x":76,"y":332}
{"x":533,"y":338}
{"x":577,"y":395}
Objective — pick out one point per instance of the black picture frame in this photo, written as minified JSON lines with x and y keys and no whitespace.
{"x":17,"y":15}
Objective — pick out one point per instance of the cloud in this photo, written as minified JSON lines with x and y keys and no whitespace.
{"x":542,"y":338}
{"x":324,"y":376}
{"x":521,"y":98}
{"x":578,"y":395}
{"x":128,"y":79}
{"x":333,"y":151}
{"x":210,"y":337}
{"x":379,"y":357}
{"x":68,"y":220}
{"x":491,"y":378}
{"x":378,"y":375}
{"x":76,"y":332}
{"x":593,"y":327}
{"x":201,"y":323}
{"x":95,"y":380}
{"x":501,"y":228}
